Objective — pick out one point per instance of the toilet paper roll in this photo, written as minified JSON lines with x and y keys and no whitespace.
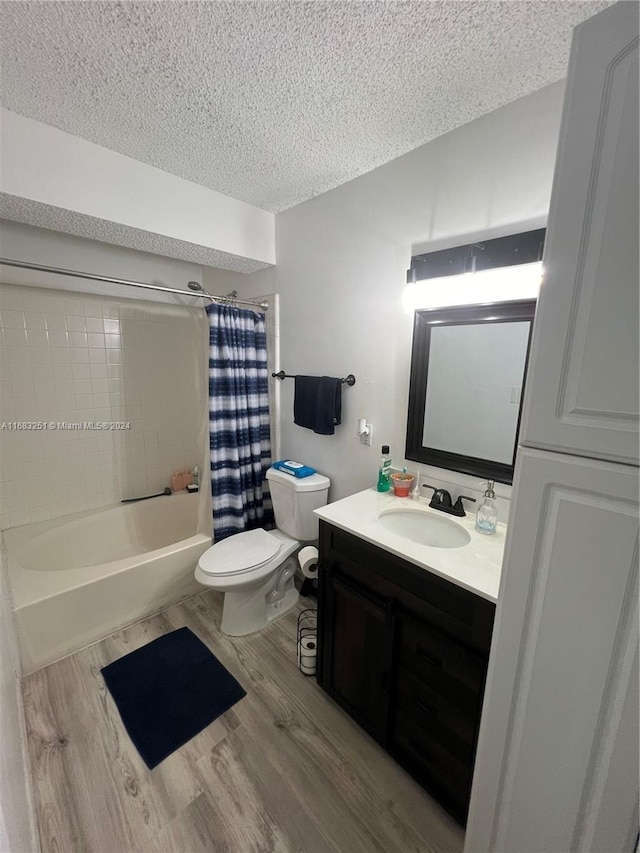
{"x":308,"y":646}
{"x":308,"y":559}
{"x":307,"y":655}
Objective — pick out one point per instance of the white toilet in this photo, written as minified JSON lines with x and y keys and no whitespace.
{"x":255,"y":569}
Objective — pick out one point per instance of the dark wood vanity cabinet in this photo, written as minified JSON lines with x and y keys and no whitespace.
{"x":405,"y":653}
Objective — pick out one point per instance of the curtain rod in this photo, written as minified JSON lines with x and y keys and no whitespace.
{"x":227,"y":300}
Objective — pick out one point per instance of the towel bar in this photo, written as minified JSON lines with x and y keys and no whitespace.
{"x":349,"y":380}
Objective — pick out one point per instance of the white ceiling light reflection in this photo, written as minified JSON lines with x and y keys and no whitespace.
{"x":496,"y":285}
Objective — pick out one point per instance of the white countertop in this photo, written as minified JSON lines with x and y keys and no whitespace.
{"x":475,"y":566}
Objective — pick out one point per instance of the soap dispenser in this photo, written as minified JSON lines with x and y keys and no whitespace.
{"x":487,"y":514}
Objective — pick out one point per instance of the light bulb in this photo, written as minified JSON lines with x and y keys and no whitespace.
{"x":501,"y":284}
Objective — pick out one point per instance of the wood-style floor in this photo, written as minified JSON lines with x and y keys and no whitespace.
{"x":284,"y":770}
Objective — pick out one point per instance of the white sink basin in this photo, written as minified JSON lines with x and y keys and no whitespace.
{"x":424,"y":528}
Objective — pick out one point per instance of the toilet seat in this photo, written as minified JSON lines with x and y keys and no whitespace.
{"x":240,"y":553}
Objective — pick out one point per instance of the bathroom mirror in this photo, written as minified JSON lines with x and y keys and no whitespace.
{"x":468,"y":368}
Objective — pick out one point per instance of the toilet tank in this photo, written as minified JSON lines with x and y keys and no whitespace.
{"x":294,"y":500}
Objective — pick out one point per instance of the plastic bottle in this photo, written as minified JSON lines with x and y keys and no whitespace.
{"x":384,"y":472}
{"x":487,"y":514}
{"x":195,"y":476}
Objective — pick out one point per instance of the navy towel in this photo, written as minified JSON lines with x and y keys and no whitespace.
{"x":169,"y":690}
{"x":317,"y":403}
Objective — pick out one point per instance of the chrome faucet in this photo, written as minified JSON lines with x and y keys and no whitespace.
{"x":441,"y":499}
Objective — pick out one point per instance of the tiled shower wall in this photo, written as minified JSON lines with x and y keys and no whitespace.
{"x":69,"y":357}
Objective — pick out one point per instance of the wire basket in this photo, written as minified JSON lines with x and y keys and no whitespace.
{"x":307,"y":642}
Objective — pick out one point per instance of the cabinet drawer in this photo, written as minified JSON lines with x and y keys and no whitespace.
{"x":454,"y":729}
{"x":450,"y":669}
{"x":442,"y":773}
{"x":454,"y":611}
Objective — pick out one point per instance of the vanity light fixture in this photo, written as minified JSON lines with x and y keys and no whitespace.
{"x":501,"y":284}
{"x":502,"y":269}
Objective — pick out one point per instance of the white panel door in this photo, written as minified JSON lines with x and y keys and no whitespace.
{"x":557,"y":763}
{"x":582,"y":388}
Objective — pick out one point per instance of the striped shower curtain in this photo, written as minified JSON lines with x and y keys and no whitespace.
{"x":239,"y":437}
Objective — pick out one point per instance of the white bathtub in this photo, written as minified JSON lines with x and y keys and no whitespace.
{"x":77,"y":579}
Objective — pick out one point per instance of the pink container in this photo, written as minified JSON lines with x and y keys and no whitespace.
{"x":180,"y":480}
{"x":402,"y":484}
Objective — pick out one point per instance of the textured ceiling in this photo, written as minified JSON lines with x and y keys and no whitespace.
{"x":275,"y":102}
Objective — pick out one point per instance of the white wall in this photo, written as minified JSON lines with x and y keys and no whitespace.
{"x":43,"y":164}
{"x":17,"y":823}
{"x":341,"y":262}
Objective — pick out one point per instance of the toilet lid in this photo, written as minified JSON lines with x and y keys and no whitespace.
{"x":240,"y":553}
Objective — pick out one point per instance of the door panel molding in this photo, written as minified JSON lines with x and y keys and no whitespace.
{"x":558,"y":696}
{"x":582,"y":393}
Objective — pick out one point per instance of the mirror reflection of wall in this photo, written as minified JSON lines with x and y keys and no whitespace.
{"x":468,"y":369}
{"x":474,"y":389}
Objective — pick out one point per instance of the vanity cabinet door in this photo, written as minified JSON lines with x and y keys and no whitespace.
{"x":356,"y":671}
{"x":582,"y":386}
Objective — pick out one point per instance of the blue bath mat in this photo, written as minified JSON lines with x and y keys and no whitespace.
{"x":168,"y":691}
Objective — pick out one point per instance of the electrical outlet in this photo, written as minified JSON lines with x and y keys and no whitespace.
{"x":367,"y":438}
